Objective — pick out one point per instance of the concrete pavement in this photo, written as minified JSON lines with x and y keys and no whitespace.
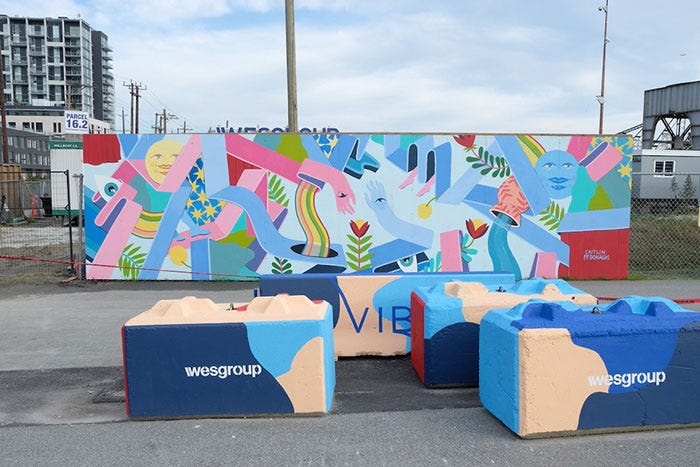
{"x":61,"y":398}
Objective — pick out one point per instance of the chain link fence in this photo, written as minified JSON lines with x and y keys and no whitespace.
{"x":42,"y":234}
{"x":665,"y":226}
{"x":38,"y":225}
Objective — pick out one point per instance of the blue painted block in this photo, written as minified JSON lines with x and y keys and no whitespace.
{"x":446,"y":319}
{"x":551,"y":368}
{"x":371,"y":312}
{"x":194,"y":358}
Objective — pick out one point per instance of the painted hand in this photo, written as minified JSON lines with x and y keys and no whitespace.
{"x":376,"y":197}
{"x":319,"y":174}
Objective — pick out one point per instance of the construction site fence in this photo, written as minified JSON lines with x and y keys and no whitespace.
{"x":42,"y":234}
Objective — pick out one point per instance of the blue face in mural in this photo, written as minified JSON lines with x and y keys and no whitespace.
{"x":557,"y":171}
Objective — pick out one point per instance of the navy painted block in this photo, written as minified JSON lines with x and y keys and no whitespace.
{"x":556,"y":368}
{"x":446,"y":318}
{"x":194,"y":358}
{"x":371,"y":312}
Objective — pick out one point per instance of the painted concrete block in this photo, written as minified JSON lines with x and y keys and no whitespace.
{"x":445,"y":321}
{"x":371,"y":313}
{"x":195,"y":358}
{"x":553,"y":368}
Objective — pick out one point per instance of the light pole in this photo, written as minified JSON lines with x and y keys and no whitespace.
{"x":291,"y":67}
{"x":601,"y":97}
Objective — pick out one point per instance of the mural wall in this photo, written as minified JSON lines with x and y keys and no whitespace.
{"x":233,"y":207}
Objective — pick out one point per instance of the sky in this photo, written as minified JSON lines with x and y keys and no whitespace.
{"x":453,"y":66}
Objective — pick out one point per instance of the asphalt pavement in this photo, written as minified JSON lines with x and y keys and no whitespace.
{"x":62,"y":398}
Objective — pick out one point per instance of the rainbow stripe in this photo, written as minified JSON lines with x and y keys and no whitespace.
{"x":532,"y":148}
{"x":317,"y":238}
{"x":147,"y":224}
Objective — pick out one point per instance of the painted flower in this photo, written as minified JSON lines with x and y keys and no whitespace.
{"x":359,"y":227}
{"x":476,"y":228}
{"x":465,"y":140}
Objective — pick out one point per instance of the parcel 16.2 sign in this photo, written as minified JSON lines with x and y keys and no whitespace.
{"x":77,"y":122}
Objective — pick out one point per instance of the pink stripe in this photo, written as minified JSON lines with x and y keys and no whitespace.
{"x":182,"y":166}
{"x":451,"y":248}
{"x":579,"y":146}
{"x":113,"y":245}
{"x":262,"y":157}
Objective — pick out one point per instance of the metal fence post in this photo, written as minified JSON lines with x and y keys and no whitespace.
{"x":81,"y":245}
{"x":70,"y":222}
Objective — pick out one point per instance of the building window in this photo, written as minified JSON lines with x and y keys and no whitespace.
{"x":664,"y":168}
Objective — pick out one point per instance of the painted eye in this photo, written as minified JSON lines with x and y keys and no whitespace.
{"x":108,"y":186}
{"x":111,"y":188}
{"x":408,"y":264}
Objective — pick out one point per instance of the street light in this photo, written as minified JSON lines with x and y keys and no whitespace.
{"x":601,"y":97}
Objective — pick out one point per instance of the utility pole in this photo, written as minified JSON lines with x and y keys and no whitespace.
{"x":137,"y":96}
{"x":601,"y":97}
{"x":131,"y":115}
{"x":184,"y":127}
{"x":123,"y":125}
{"x":291,"y":67}
{"x":156,"y":124}
{"x":166,"y":117}
{"x":3,"y":108}
{"x":134,"y":89}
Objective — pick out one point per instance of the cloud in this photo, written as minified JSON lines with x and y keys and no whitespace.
{"x":500,"y":66}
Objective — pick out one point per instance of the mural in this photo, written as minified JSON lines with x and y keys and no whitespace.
{"x":233,"y":206}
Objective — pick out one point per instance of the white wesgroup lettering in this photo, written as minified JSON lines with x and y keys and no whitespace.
{"x":222,"y":371}
{"x":627,"y":379}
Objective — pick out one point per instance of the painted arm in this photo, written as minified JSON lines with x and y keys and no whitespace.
{"x":399,"y":228}
{"x":319,"y":174}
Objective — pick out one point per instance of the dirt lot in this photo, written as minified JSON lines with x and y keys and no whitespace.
{"x":36,"y":252}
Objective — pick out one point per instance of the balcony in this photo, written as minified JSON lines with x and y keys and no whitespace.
{"x":37,"y":71}
{"x":72,"y":32}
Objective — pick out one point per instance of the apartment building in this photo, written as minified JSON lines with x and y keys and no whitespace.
{"x":52,"y":65}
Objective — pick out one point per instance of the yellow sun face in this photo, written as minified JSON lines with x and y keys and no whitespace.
{"x":160,"y":159}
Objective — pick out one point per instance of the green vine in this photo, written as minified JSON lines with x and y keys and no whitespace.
{"x":131,"y":262}
{"x":356,"y":255}
{"x":281,"y":266}
{"x":552,"y":216}
{"x":276,"y":192}
{"x":497,"y":166}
